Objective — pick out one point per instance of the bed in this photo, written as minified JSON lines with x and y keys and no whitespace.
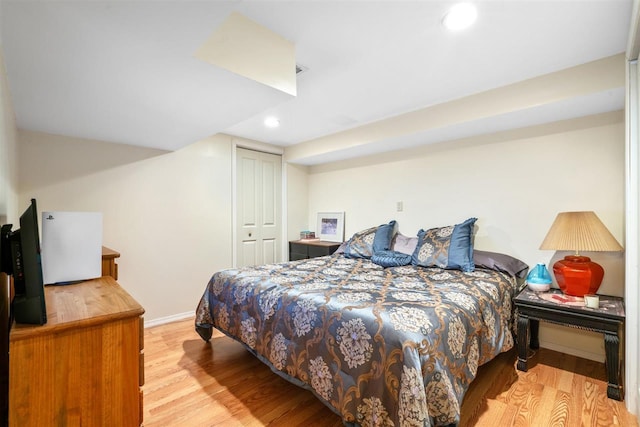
{"x":383,"y":345}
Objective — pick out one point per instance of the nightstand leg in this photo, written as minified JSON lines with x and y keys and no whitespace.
{"x":612,"y":361}
{"x":523,"y":340}
{"x":534,"y":325}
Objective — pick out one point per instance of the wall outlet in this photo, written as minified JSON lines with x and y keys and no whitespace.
{"x":399,"y":206}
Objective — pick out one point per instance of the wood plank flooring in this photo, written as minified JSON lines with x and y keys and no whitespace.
{"x":193,"y":383}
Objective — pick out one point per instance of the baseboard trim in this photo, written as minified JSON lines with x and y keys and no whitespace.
{"x":167,"y":319}
{"x":573,"y":351}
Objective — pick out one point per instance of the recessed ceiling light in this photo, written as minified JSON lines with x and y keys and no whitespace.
{"x":460,"y":16}
{"x":271,"y":122}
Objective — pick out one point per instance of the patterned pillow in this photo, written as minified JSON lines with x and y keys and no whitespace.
{"x":446,"y":247}
{"x":365,"y":243}
{"x":391,"y":258}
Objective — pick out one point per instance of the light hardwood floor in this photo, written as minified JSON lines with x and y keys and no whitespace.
{"x":193,"y":383}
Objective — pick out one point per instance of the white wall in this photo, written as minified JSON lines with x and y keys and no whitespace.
{"x":514,"y":182}
{"x":297,"y":180}
{"x":632,"y":300}
{"x":8,"y":159}
{"x":169,"y":214}
{"x":8,"y":156}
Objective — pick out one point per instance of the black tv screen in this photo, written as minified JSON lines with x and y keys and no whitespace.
{"x":29,"y":301}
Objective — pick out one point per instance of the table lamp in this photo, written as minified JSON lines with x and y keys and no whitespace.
{"x":579,"y":231}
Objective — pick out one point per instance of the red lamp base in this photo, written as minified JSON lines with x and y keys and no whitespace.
{"x":578,"y":275}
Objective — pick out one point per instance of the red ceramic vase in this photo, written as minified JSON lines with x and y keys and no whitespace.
{"x":578,"y":275}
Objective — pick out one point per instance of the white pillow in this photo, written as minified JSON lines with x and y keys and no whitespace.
{"x":404,"y":244}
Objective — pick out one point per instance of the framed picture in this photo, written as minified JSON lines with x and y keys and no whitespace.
{"x":330,"y":226}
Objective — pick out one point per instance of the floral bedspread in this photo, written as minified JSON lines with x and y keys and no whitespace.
{"x":380,"y":346}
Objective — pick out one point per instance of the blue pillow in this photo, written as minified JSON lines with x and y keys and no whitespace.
{"x":446,"y":247}
{"x":365,"y":243}
{"x":391,"y":258}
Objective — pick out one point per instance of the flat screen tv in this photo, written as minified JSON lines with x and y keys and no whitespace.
{"x":28,"y":304}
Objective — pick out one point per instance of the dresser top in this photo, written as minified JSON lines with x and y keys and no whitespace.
{"x":108,"y":253}
{"x":80,"y":305}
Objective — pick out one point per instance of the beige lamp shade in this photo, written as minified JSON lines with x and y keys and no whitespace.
{"x":579,"y":231}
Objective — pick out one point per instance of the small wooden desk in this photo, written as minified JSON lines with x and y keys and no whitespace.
{"x":608,"y":319}
{"x":85,"y":366}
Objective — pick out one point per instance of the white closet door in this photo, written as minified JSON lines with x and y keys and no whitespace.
{"x":258,"y":185}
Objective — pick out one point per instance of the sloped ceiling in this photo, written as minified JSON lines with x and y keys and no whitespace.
{"x":379,"y":74}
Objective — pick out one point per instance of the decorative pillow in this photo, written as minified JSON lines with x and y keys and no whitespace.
{"x":365,"y":243}
{"x":404,"y":244}
{"x":391,"y":258}
{"x":500,"y":262}
{"x":446,"y":247}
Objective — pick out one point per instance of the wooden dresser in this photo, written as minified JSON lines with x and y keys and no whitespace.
{"x":85,"y":366}
{"x":109,"y":266}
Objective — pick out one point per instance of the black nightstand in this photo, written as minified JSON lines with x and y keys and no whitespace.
{"x":302,"y":249}
{"x":549,"y":307}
